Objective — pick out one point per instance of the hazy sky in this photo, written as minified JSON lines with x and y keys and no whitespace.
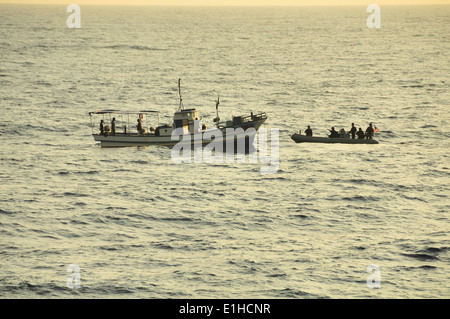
{"x":234,"y":2}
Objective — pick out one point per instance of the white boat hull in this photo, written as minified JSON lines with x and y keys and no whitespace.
{"x":203,"y":138}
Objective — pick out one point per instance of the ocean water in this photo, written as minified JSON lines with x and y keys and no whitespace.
{"x":139,"y":225}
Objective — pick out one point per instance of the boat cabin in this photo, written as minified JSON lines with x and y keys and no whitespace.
{"x":185,"y":119}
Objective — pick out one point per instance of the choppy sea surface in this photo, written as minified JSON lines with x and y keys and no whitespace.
{"x":139,"y":225}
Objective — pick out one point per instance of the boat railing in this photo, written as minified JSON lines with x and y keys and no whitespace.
{"x":239,"y":120}
{"x":127,"y":124}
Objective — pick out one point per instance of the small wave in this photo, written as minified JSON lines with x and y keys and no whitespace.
{"x":413,"y":86}
{"x":428,"y":267}
{"x":436,"y":249}
{"x":88,"y":172}
{"x":42,"y":128}
{"x":301,"y":216}
{"x":39,"y":289}
{"x":133,"y":47}
{"x":422,"y":256}
{"x":109,"y":248}
{"x":123,"y":170}
{"x":43,"y":83}
{"x":361,"y":198}
{"x":114,"y":208}
{"x":178,"y":219}
{"x":4,"y":212}
{"x":277,"y":275}
{"x":358,"y":181}
{"x":164,"y":246}
{"x":414,"y":198}
{"x":80,"y":204}
{"x":290,"y":293}
{"x":107,"y":289}
{"x":139,"y":162}
{"x":74,"y":194}
{"x":78,"y":222}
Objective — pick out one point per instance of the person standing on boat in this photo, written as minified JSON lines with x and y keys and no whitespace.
{"x":102,"y":129}
{"x":113,"y":126}
{"x":353,"y":130}
{"x":360,"y":134}
{"x":139,"y":126}
{"x":308,"y":131}
{"x":334,"y":133}
{"x":369,"y":132}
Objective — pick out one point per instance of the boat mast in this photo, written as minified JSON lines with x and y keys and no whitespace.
{"x":217,"y":119}
{"x":179,"y":92}
{"x":217,"y":105}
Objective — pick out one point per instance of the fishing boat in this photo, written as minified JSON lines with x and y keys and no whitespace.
{"x":298,"y":138}
{"x":186,"y":127}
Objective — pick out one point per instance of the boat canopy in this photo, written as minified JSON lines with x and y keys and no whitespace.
{"x":122,"y":112}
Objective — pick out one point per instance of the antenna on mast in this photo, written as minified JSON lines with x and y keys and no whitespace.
{"x":179,"y":92}
{"x":217,"y":119}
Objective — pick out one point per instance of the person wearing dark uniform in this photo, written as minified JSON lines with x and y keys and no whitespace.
{"x":102,"y":129}
{"x":353,"y":130}
{"x":139,"y":126}
{"x":334,"y":133}
{"x":360,"y":134}
{"x":113,"y":126}
{"x":369,"y":132}
{"x":308,"y":131}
